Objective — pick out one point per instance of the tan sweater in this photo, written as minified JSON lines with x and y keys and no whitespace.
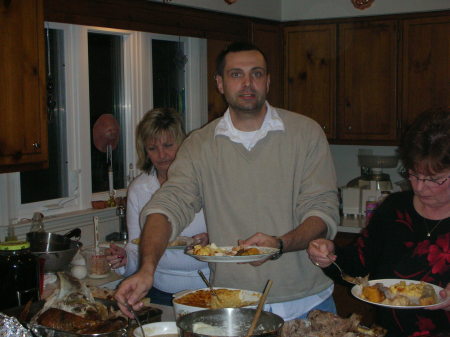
{"x":288,"y":176}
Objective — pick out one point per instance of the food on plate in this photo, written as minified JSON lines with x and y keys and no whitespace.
{"x":373,"y":294}
{"x":227,"y":298}
{"x":72,"y":308}
{"x":400,"y":294}
{"x":326,"y":324}
{"x":213,"y":250}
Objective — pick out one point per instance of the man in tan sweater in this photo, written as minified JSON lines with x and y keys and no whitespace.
{"x":263,"y":176}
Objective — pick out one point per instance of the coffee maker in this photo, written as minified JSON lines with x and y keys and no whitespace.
{"x":370,"y":185}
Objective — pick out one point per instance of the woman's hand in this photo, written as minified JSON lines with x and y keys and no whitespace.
{"x":201,"y":239}
{"x":116,"y":256}
{"x":445,"y":294}
{"x":321,"y":252}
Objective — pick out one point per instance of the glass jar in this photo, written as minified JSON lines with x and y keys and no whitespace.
{"x":19,"y":274}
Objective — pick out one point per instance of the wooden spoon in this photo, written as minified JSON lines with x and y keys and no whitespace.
{"x":262,"y":300}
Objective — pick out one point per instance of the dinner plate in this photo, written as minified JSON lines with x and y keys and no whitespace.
{"x":357,"y":290}
{"x":266,"y":252}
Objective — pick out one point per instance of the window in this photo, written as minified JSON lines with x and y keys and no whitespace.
{"x":96,"y":71}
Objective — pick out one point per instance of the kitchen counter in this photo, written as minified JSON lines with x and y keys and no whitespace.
{"x":351,"y":224}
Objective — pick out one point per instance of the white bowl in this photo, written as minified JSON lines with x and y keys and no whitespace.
{"x":183,"y":309}
{"x":159,"y":328}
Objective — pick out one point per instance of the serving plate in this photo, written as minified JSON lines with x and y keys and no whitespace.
{"x":357,"y":292}
{"x":266,"y":253}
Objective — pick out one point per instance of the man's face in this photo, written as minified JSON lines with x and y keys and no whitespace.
{"x":245,"y":81}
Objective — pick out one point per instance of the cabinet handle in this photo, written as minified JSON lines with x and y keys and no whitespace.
{"x":324,"y":127}
{"x":349,"y":128}
{"x":36,"y":145}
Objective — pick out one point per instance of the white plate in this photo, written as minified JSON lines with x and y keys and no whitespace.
{"x":266,"y":252}
{"x":176,"y":247}
{"x":157,"y":329}
{"x":357,"y":290}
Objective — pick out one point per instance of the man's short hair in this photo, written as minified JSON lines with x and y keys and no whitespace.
{"x":233,"y":48}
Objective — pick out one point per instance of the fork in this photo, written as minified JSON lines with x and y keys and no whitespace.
{"x":344,"y":276}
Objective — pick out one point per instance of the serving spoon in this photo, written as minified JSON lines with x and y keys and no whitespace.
{"x":346,"y":277}
{"x":213,"y":292}
{"x":262,"y":300}
{"x":130,"y":309}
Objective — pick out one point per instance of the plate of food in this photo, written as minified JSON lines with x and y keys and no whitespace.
{"x":399,"y":293}
{"x":236,"y":254}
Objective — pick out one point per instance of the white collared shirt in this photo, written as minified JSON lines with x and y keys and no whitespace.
{"x":272,"y":122}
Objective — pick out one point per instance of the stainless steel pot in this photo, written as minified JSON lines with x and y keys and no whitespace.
{"x":232,"y":322}
{"x":56,"y":250}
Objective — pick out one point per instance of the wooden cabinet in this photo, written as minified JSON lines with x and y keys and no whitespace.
{"x":367,"y":93}
{"x":268,"y":38}
{"x":310,"y":73}
{"x":345,"y":77}
{"x":23,"y":126}
{"x":426,"y":65}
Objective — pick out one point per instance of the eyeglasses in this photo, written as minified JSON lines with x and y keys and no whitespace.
{"x":432,"y":182}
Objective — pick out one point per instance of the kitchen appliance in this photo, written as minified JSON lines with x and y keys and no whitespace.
{"x":370,"y":185}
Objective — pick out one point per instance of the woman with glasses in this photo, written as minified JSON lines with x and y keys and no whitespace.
{"x":408,"y":237}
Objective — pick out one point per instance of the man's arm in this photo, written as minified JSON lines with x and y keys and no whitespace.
{"x":153,"y":242}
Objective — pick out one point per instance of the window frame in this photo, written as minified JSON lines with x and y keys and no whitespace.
{"x":137,"y":85}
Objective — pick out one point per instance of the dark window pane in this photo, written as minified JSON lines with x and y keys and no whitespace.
{"x":168,"y":75}
{"x":51,"y":183}
{"x":106,"y":97}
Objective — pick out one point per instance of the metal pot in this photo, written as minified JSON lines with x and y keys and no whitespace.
{"x":232,"y":322}
{"x":56,"y":250}
{"x":48,"y":242}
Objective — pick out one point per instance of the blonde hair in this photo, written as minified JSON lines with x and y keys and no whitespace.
{"x":154,"y":124}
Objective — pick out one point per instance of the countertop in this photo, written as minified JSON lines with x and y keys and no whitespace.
{"x":351,"y":224}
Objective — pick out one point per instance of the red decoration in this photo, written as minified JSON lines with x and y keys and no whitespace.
{"x":362,"y":4}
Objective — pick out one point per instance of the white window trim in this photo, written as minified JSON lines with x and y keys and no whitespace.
{"x":136,"y":47}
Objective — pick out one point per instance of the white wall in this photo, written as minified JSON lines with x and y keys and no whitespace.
{"x":266,"y":9}
{"x":291,"y":10}
{"x":346,"y":161}
{"x":313,"y":9}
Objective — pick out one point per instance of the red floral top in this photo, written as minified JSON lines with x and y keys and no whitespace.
{"x":395,"y":244}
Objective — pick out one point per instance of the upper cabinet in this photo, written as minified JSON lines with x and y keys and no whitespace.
{"x":23,"y":127}
{"x":426,"y":65}
{"x":310,"y":72}
{"x":367,"y":91}
{"x":365,"y":80}
{"x":268,"y":38}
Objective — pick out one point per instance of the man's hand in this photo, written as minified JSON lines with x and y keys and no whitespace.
{"x":262,"y":240}
{"x":321,"y":252}
{"x":132,"y":290}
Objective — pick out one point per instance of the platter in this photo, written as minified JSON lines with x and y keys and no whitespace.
{"x":266,"y":253}
{"x":357,"y":290}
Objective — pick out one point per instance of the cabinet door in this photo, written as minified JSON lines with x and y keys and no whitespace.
{"x":367,"y":97}
{"x":310,"y":73}
{"x":216,"y":102}
{"x":23,"y":126}
{"x":267,"y":37}
{"x":426,"y":66}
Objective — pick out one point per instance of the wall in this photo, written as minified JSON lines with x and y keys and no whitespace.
{"x":292,"y":10}
{"x":312,"y":9}
{"x":346,"y":161}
